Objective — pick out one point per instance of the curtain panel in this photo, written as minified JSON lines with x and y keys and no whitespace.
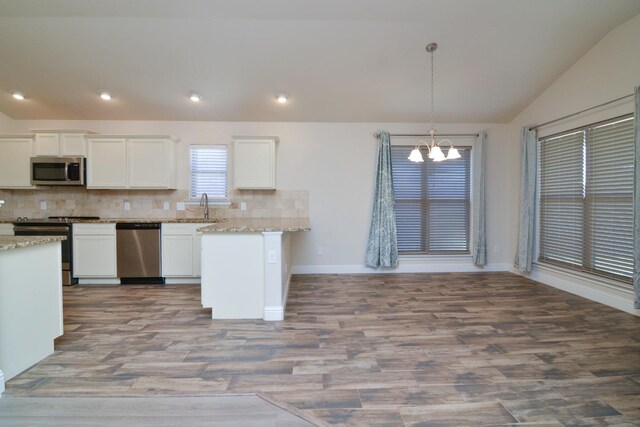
{"x":526,"y":233}
{"x":382,"y":247}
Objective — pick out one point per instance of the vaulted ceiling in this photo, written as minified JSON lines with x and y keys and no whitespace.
{"x":338,"y":60}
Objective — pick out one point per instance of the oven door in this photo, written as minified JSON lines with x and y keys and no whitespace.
{"x":26,"y":230}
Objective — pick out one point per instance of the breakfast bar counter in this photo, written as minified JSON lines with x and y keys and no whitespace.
{"x":246,"y":267}
{"x":30,"y":301}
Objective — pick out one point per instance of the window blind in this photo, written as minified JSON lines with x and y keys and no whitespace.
{"x":208,"y":170}
{"x":586,"y":199}
{"x":432,"y":201}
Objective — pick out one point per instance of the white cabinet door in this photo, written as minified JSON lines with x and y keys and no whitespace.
{"x":94,"y":255}
{"x":47,"y":144}
{"x":147,"y":160}
{"x":15,"y":162}
{"x":255,"y":163}
{"x":177,"y":255}
{"x":107,"y":163}
{"x":72,"y":144}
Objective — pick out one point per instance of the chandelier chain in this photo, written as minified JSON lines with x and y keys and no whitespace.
{"x":432,"y":95}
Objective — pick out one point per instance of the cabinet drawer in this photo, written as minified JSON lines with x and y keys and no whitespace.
{"x":93,"y":229}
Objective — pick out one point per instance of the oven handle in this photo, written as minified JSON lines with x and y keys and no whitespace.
{"x":62,"y":230}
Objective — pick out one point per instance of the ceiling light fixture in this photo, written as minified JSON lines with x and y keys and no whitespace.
{"x":195,"y":96}
{"x":282,"y":98}
{"x":18,"y":95}
{"x":435,"y":152}
{"x":105,"y":95}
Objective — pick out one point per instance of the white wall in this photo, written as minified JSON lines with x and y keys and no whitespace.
{"x":336,"y":163}
{"x":611,"y":69}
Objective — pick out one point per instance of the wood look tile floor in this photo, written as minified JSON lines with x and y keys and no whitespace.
{"x":414,"y":349}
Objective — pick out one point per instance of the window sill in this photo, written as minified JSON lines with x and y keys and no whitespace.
{"x":212,"y":202}
{"x":592,"y":278}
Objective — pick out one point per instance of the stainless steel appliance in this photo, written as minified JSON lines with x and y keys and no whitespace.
{"x":46,"y":170}
{"x":53,"y":226}
{"x":138,"y":253}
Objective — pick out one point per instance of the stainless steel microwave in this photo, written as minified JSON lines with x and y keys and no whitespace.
{"x":58,"y":170}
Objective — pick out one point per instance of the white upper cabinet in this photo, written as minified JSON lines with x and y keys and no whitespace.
{"x":151,"y":163}
{"x":131,"y":162}
{"x":106,"y":163}
{"x":254,"y":162}
{"x":15,"y":161}
{"x":61,"y":143}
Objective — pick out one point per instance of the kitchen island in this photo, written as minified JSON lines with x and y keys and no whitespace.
{"x":30,"y":301}
{"x":246,"y":267}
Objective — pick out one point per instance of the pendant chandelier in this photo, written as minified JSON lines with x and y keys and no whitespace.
{"x":435,"y":152}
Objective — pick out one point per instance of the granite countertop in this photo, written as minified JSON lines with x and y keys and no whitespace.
{"x":14,"y":242}
{"x":148,"y":220}
{"x":258,"y":225}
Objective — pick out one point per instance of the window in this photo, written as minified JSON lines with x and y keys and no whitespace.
{"x":432,"y":201}
{"x":586,"y":199}
{"x":208,"y":165}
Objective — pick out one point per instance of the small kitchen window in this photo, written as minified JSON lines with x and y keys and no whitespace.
{"x":208,"y":166}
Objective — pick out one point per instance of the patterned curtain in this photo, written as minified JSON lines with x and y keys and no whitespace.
{"x":478,"y":237}
{"x":636,"y":199}
{"x":382,"y":248}
{"x":526,"y":233}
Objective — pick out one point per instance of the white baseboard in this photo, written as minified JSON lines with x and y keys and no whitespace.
{"x":406,"y":266}
{"x":586,"y":288}
{"x":1,"y":383}
{"x":185,"y":281}
{"x":273,"y":313}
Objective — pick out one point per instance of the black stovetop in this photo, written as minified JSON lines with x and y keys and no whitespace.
{"x":52,"y":220}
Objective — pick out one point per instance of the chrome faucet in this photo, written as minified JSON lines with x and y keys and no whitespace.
{"x":204,"y":201}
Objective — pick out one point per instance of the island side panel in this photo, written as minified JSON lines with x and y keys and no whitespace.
{"x":233,"y":275}
{"x":30,"y":306}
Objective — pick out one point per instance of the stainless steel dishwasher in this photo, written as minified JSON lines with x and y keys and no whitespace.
{"x":138,"y":251}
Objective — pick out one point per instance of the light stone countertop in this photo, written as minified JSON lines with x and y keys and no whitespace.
{"x":14,"y":242}
{"x":148,"y":220}
{"x":257,"y":225}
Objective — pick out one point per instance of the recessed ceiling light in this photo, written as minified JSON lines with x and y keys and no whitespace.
{"x":105,"y":95}
{"x":18,"y":95}
{"x":195,"y":96}
{"x":282,"y":98}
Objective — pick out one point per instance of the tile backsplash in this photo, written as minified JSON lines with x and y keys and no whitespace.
{"x":79,"y":201}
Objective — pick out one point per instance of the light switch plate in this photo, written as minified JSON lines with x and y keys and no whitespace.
{"x":180,"y":206}
{"x":165,"y":206}
{"x":126,"y":205}
{"x":43,"y":205}
{"x":243,"y":206}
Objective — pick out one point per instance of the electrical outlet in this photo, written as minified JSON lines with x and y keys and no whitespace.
{"x":496,"y":249}
{"x":320,"y":250}
{"x":165,"y":206}
{"x":271,"y":257}
{"x":180,"y":206}
{"x":43,"y":205}
{"x":126,"y":205}
{"x":243,"y":206}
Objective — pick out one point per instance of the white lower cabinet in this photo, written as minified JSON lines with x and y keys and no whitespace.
{"x":94,"y":251}
{"x":181,"y":245}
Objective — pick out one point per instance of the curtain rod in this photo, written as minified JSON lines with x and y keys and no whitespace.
{"x":419,"y":135}
{"x":580,"y":112}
